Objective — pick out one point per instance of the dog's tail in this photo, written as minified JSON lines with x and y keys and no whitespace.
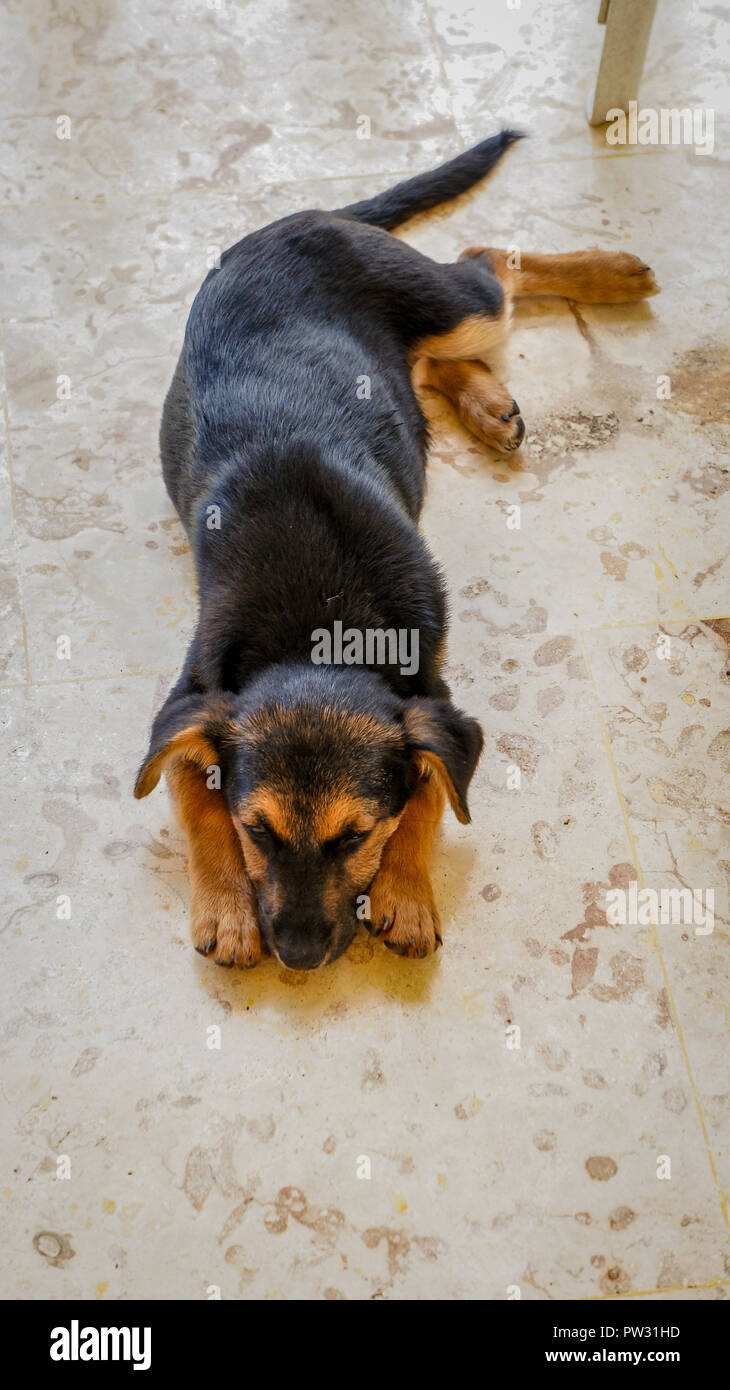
{"x":437,"y":186}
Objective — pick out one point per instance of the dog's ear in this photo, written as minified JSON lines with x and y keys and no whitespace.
{"x":188,"y":727}
{"x":445,"y":742}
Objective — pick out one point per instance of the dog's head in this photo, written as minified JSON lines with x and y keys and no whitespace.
{"x":317,"y":766}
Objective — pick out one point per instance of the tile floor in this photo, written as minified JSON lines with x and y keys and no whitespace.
{"x":592,"y":643}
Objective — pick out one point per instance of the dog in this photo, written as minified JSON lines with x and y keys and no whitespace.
{"x":294,"y":448}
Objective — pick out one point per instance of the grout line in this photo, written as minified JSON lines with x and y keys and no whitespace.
{"x":656,"y":941}
{"x":646,"y":1293}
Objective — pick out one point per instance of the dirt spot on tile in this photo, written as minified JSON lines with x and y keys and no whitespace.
{"x":522,"y":750}
{"x":663,"y":1011}
{"x":465,"y":1110}
{"x":55,"y":1249}
{"x":85,"y":1061}
{"x":397,"y":1243}
{"x":615,"y":1280}
{"x":675,"y":1100}
{"x":553,"y":652}
{"x":555,"y":1058}
{"x":506,"y":699}
{"x":621,"y":875}
{"x":594,"y":1079}
{"x":262,"y":1127}
{"x":634,"y":658}
{"x":700,"y":382}
{"x":325,"y":1223}
{"x":615,"y":565}
{"x":593,"y":915}
{"x":490,"y":892}
{"x":601,"y":1168}
{"x":583,"y":968}
{"x":721,"y":626}
{"x":198,"y":1180}
{"x":672,"y":1274}
{"x":720,"y":747}
{"x":545,"y":1140}
{"x":628,"y":977}
{"x":502,"y":1007}
{"x":544,"y":839}
{"x":557,"y":440}
{"x":708,"y":479}
{"x":549,"y":699}
{"x":620,"y":1218}
{"x":372,"y":1078}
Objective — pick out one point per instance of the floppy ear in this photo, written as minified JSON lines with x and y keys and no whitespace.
{"x":186,"y":727}
{"x":445,"y":742}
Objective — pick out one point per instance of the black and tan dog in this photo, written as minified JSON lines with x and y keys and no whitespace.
{"x":305,"y":789}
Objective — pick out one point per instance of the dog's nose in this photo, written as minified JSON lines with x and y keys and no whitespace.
{"x":301,"y":956}
{"x":301,"y":946}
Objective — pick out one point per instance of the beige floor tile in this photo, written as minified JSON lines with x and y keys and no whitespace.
{"x":217,"y":96}
{"x":534,"y":66}
{"x":245,"y":1166}
{"x":238,"y":1166}
{"x":665,"y":705}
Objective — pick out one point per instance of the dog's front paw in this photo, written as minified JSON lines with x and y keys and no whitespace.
{"x":224,"y":925}
{"x":403,"y":915}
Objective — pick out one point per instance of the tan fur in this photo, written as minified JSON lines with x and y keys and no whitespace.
{"x":473,"y":337}
{"x":478,"y":398}
{"x":591,"y":277}
{"x":447,"y":362}
{"x":223,"y":905}
{"x":429,"y":764}
{"x":331,"y":818}
{"x":190,"y":745}
{"x":402,"y":906}
{"x":342,"y":813}
{"x":265,"y":805}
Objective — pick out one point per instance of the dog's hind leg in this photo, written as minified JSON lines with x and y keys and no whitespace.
{"x":590,"y":277}
{"x":454,"y":361}
{"x":483,"y":405}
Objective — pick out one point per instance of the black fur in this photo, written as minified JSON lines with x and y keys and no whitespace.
{"x":318,"y":490}
{"x":291,"y":418}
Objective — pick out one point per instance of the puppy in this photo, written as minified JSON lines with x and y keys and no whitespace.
{"x":293,"y":448}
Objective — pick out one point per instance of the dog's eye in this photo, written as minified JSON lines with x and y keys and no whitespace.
{"x":351,"y":839}
{"x":257,"y":832}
